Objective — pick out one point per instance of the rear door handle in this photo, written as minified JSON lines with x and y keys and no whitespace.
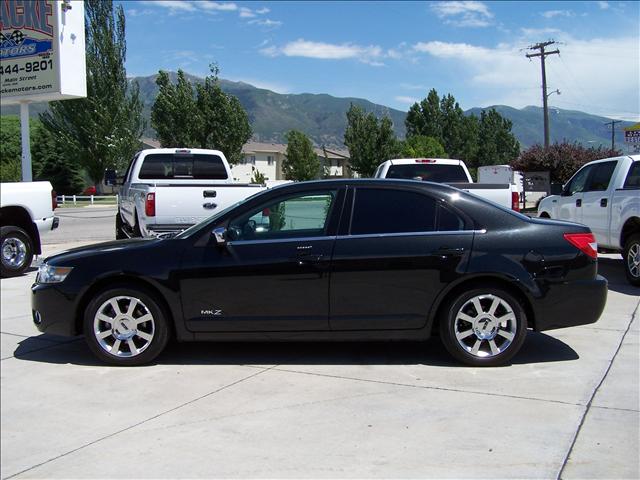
{"x":603,"y":202}
{"x":308,"y":259}
{"x":578,"y":203}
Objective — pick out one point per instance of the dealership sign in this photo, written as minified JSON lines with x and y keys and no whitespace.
{"x":632,"y":134}
{"x":42,"y":50}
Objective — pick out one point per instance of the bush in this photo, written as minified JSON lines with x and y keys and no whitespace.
{"x":562,"y":160}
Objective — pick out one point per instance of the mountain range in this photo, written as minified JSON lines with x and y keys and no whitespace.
{"x":323,"y":118}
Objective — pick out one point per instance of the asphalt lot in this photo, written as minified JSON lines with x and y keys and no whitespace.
{"x":567,"y":407}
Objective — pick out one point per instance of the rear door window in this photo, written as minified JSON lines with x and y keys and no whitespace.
{"x":378,"y":210}
{"x":197,"y":166}
{"x":601,"y":176}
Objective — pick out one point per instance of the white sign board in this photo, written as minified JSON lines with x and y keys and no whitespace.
{"x":42,"y":50}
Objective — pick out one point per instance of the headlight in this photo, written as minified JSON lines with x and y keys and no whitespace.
{"x":51,"y":274}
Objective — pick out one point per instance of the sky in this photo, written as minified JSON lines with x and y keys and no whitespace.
{"x":393,"y":53}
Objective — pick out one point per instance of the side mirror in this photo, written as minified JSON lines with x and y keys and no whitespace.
{"x":220,"y":234}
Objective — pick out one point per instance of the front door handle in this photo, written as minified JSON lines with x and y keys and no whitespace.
{"x":603,"y":202}
{"x":579,"y":202}
{"x":308,"y":259}
{"x":448,"y":251}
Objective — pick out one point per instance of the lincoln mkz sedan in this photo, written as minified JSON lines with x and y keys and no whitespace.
{"x":331,"y":260}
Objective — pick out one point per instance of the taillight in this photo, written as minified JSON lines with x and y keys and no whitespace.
{"x":54,"y":200}
{"x":515,"y":201}
{"x":150,"y":205}
{"x":585,"y":242}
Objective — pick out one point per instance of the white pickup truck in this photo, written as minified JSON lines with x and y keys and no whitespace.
{"x":605,"y":196}
{"x":451,"y":172}
{"x":166,"y":190}
{"x":26,"y":211}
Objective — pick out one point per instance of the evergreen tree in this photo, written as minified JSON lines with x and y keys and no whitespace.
{"x":301,"y":162}
{"x":370,"y":141}
{"x":172,"y":114}
{"x":103,"y":130}
{"x":53,"y":165}
{"x":497,"y":145}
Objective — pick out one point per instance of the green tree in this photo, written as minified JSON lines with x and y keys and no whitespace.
{"x":11,"y":148}
{"x":424,"y":118}
{"x":370,"y":141}
{"x":173,"y":112}
{"x":102,"y":130}
{"x":421,"y":146}
{"x":49,"y":155}
{"x":222,"y":123}
{"x":496,"y":145}
{"x":300,"y":162}
{"x":257,"y":177}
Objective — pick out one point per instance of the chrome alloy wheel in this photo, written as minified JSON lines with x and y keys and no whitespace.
{"x":633,"y":260}
{"x":485,"y":326}
{"x":123,"y":326}
{"x":14,"y":252}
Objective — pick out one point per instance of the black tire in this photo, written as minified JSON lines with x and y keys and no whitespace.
{"x":16,"y":251}
{"x":506,"y":327}
{"x":155,"y":329}
{"x":631,"y":256}
{"x":120,"y":233}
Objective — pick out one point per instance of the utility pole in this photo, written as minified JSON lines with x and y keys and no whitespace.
{"x":542,"y":54}
{"x":613,"y":132}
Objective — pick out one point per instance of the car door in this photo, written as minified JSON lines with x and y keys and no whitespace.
{"x":569,"y":204}
{"x":396,"y":253}
{"x":273,"y":272}
{"x":595,"y":200}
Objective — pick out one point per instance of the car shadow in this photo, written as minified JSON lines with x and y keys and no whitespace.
{"x":537,"y":348}
{"x":23,"y":274}
{"x":613,"y":270}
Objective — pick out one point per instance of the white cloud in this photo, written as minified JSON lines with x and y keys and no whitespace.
{"x":407,"y":100}
{"x":603,"y":5}
{"x":413,"y":86}
{"x":262,"y":11}
{"x":370,"y":54}
{"x":246,"y":12}
{"x":557,"y":13}
{"x":217,"y":6}
{"x":172,"y":5}
{"x":503,"y":75}
{"x":463,"y":13}
{"x":265,"y":23}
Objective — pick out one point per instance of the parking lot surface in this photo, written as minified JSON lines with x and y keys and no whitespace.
{"x":567,"y":407}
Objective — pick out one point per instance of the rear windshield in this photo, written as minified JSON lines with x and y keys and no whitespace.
{"x":198,"y":166}
{"x":431,"y":172}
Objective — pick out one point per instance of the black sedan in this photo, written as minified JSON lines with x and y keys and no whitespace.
{"x":331,"y":260}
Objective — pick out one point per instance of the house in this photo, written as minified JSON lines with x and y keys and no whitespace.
{"x":267,"y":159}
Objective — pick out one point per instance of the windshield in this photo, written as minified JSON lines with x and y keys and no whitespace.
{"x":212,"y":219}
{"x":431,"y":172}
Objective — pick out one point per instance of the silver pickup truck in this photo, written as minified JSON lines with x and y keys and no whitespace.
{"x":166,"y":190}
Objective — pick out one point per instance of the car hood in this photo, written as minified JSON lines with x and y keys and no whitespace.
{"x":73,"y":254}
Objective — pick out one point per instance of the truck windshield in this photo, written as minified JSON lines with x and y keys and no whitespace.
{"x":431,"y":172}
{"x":160,"y":166}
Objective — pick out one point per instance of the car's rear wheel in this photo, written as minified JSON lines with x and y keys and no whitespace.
{"x":483,"y":327}
{"x":631,"y":257}
{"x":126,"y":326}
{"x":16,"y":251}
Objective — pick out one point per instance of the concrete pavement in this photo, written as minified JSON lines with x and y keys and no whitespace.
{"x":567,"y":407}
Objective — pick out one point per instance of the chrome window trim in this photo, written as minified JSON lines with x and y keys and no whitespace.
{"x":347,"y":237}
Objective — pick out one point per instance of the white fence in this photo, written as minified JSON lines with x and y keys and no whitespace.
{"x":91,"y":199}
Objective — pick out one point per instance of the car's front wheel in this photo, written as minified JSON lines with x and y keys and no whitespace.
{"x":483,"y":327}
{"x":632,"y":259}
{"x":16,"y":250}
{"x":126,"y":325}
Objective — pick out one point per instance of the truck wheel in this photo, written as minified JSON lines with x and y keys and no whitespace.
{"x":631,"y":256}
{"x":16,"y":251}
{"x":483,"y":327}
{"x":120,"y":233}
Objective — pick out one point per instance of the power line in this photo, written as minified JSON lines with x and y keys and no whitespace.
{"x":543,"y":54}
